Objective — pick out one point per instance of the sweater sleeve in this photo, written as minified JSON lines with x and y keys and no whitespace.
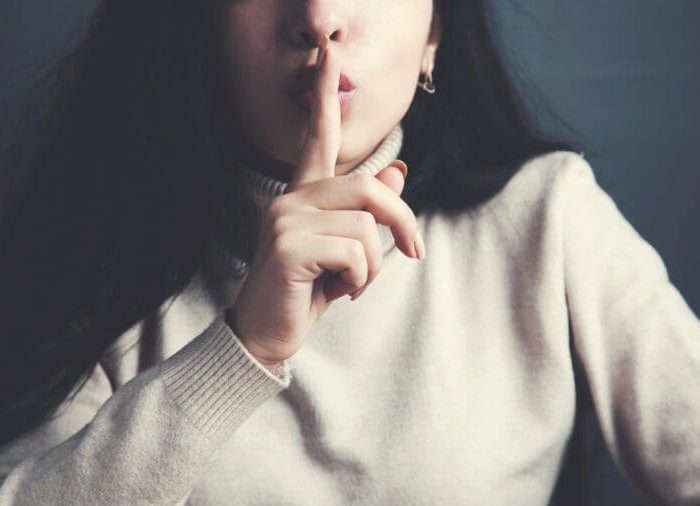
{"x":638,"y":341}
{"x":151,"y":439}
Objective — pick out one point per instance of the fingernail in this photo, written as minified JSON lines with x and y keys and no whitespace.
{"x":419,"y":246}
{"x":401,"y":165}
{"x":356,"y":294}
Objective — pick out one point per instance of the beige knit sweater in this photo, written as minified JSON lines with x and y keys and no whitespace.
{"x":450,"y":381}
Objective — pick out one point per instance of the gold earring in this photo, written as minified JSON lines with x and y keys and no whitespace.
{"x":427,"y":83}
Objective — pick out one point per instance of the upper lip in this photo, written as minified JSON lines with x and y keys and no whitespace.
{"x":304,"y":80}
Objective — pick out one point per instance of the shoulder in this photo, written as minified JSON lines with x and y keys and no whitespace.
{"x":532,"y":207}
{"x":540,"y":188}
{"x":555,"y":201}
{"x":555,"y":164}
{"x":542,"y":181}
{"x":551,"y":169}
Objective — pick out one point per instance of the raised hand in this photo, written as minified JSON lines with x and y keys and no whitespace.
{"x":319,"y":240}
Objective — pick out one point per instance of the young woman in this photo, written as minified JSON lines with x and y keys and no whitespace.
{"x":199,"y":197}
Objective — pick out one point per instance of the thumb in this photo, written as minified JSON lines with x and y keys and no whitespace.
{"x":394,"y":175}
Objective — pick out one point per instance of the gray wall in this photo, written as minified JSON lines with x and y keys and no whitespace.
{"x":624,"y":74}
{"x":32,"y":34}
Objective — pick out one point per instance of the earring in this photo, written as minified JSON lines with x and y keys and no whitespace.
{"x":427,"y":83}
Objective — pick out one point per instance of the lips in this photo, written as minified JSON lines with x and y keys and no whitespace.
{"x":301,"y":87}
{"x":304,"y":81}
{"x":304,"y":99}
{"x":345,"y":83}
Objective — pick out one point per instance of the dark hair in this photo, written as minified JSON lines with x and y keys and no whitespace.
{"x":128,"y":177}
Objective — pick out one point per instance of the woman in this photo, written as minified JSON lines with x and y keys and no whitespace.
{"x":189,"y":217}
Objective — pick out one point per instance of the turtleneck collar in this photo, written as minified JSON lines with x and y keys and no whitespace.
{"x":266,"y":187}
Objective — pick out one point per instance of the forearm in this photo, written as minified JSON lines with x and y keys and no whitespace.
{"x":152,"y":439}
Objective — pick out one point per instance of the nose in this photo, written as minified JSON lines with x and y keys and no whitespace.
{"x":318,"y":18}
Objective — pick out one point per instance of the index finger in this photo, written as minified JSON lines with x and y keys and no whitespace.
{"x":320,"y":151}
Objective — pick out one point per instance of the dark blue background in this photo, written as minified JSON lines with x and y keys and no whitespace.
{"x":624,"y":74}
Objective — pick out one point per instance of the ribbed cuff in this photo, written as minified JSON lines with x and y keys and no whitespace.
{"x":217,"y":382}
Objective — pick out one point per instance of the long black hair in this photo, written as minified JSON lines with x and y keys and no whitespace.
{"x":129,"y":173}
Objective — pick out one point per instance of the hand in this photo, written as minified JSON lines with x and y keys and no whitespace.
{"x":319,"y":240}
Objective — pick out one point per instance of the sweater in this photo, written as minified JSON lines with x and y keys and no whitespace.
{"x":452,"y":380}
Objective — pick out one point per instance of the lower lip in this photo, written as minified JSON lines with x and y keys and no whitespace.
{"x":305,"y":99}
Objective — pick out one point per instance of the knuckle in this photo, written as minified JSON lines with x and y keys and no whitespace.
{"x":356,"y":250}
{"x":363,"y":182}
{"x":280,"y":224}
{"x":281,"y":246}
{"x":276,"y":207}
{"x":364,"y":219}
{"x":369,"y":190}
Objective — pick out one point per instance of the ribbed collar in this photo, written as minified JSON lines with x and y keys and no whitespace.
{"x":269,"y":187}
{"x":265,"y":187}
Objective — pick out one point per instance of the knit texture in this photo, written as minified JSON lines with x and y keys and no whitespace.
{"x":449,"y":381}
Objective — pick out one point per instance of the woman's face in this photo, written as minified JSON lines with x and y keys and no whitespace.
{"x":382,"y":46}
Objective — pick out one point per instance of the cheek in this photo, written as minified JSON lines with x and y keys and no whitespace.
{"x":394,"y":83}
{"x":396,"y":54}
{"x":387,"y":95}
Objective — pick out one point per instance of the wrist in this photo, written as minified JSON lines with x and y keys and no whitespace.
{"x":230,"y":319}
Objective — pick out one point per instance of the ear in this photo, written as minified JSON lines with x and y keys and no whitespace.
{"x":433,"y":41}
{"x":435,"y":30}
